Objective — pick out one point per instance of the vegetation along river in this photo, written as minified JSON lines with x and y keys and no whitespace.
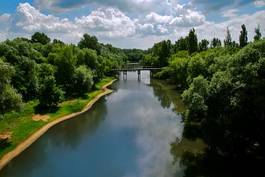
{"x":126,"y":134}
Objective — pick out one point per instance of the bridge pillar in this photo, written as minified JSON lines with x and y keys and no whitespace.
{"x":124,"y":75}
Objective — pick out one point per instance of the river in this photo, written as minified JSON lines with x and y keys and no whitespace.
{"x":126,"y":134}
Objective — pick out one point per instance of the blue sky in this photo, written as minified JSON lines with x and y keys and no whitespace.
{"x":127,"y":23}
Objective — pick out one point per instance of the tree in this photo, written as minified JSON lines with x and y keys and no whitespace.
{"x":83,"y":80}
{"x":243,"y":38}
{"x":65,"y":61}
{"x":258,"y":34}
{"x":161,"y":52}
{"x":50,"y":94}
{"x":228,"y":39}
{"x":216,"y":43}
{"x":181,"y":44}
{"x":40,"y":38}
{"x":203,"y":45}
{"x":25,"y":79}
{"x":90,"y":42}
{"x":192,"y":41}
{"x":9,"y":98}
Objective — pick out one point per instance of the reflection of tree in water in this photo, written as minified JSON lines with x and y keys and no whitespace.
{"x":67,"y":134}
{"x":209,"y":164}
{"x":167,"y":95}
{"x":70,"y":133}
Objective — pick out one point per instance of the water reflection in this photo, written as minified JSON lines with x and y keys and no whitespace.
{"x":126,"y":134}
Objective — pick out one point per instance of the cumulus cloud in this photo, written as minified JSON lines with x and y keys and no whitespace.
{"x":210,"y":5}
{"x":108,"y":22}
{"x":230,"y":13}
{"x":212,"y":29}
{"x":30,"y":20}
{"x":125,"y":5}
{"x":4,"y":25}
{"x":114,"y":26}
{"x":259,"y":3}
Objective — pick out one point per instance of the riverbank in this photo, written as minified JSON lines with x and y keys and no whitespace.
{"x":26,"y":131}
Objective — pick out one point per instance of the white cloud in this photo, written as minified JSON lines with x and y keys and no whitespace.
{"x":211,"y":29}
{"x":30,"y":20}
{"x":259,"y":3}
{"x":4,"y":25}
{"x":109,"y":22}
{"x":113,"y":26}
{"x":230,"y":13}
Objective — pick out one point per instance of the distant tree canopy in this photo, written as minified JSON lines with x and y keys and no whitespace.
{"x":228,"y":38}
{"x":90,"y":42}
{"x":203,"y":45}
{"x":243,"y":38}
{"x":51,"y":72}
{"x":40,"y":38}
{"x":192,"y":42}
{"x":216,"y":43}
{"x":257,"y":34}
{"x":223,"y":91}
{"x":9,"y":98}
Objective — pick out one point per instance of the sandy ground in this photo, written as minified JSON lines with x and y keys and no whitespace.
{"x":39,"y":117}
{"x":31,"y":139}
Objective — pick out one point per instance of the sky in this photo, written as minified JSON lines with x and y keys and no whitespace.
{"x":130,"y":23}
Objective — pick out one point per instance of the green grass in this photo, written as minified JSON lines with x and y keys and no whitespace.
{"x":22,"y":126}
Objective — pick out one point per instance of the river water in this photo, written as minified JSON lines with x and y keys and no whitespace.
{"x":126,"y":134}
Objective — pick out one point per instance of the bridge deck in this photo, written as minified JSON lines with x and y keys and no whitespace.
{"x":138,"y":69}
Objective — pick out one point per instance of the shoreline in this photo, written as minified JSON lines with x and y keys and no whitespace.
{"x":36,"y":135}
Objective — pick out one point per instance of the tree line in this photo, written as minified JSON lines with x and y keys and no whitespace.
{"x":223,"y":88}
{"x":52,"y":71}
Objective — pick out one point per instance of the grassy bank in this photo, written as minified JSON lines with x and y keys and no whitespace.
{"x":21,"y":125}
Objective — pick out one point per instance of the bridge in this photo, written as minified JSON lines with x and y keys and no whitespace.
{"x":136,"y":67}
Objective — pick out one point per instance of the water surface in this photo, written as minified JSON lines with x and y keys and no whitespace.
{"x":125,"y":134}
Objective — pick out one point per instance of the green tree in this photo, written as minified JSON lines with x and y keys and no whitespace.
{"x":228,"y":38}
{"x":40,"y":38}
{"x":243,"y":38}
{"x":90,"y":42}
{"x":258,"y":34}
{"x":83,"y":80}
{"x":181,"y":44}
{"x":9,"y":98}
{"x":216,"y":43}
{"x":192,"y":41}
{"x":65,"y":61}
{"x":25,"y":79}
{"x":50,"y":94}
{"x":203,"y":45}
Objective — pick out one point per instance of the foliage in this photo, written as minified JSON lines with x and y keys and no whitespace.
{"x":203,"y":45}
{"x":40,"y":38}
{"x":83,"y":80}
{"x":192,"y":41}
{"x":228,"y":38}
{"x":134,"y":55}
{"x":29,"y":66}
{"x":158,"y":55}
{"x":50,"y":94}
{"x":9,"y":98}
{"x":90,"y":42}
{"x":257,"y":34}
{"x":216,"y":43}
{"x":243,"y":38}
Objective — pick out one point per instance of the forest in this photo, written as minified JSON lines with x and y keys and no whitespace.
{"x":51,"y":71}
{"x":222,"y":87}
